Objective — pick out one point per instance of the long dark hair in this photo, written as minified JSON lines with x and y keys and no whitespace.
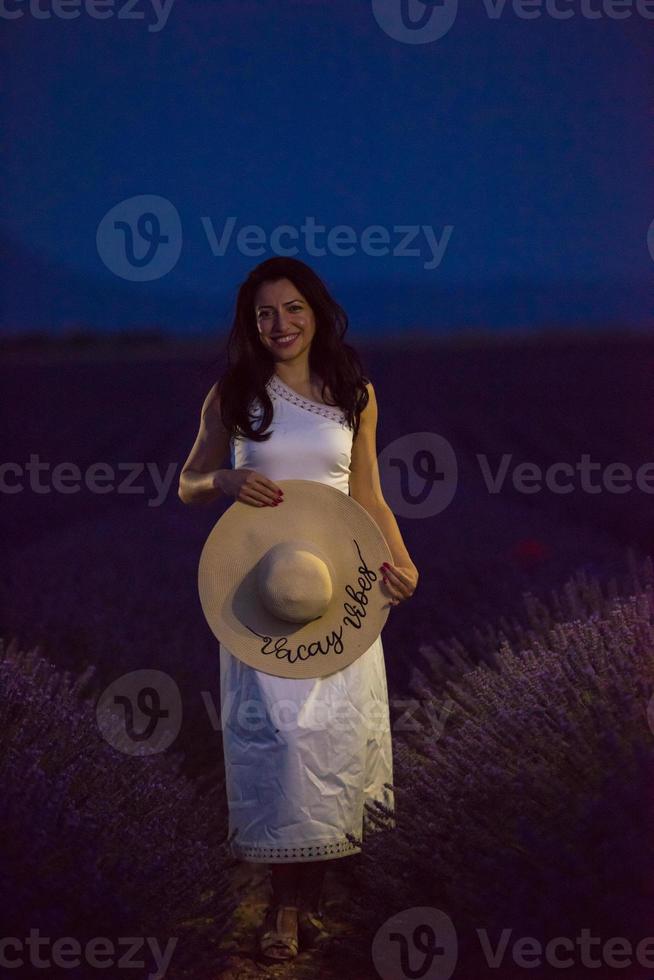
{"x":250,"y":365}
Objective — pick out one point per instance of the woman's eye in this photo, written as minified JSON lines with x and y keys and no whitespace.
{"x":265,"y":314}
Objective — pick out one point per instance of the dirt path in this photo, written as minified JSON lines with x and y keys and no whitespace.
{"x":245,"y":962}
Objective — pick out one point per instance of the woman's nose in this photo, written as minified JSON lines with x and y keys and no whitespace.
{"x":285,"y":320}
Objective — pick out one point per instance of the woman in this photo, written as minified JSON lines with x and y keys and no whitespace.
{"x":290,"y":372}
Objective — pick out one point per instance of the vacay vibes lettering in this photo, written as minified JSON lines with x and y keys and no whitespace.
{"x":353,"y":615}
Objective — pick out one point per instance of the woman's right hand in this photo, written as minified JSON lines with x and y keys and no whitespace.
{"x":249,"y":487}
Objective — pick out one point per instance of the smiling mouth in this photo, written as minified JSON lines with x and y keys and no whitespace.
{"x":286,"y":340}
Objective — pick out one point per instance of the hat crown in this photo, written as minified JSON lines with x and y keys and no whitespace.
{"x":294,"y":581}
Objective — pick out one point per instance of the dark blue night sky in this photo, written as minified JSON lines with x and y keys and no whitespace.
{"x":521,"y":148}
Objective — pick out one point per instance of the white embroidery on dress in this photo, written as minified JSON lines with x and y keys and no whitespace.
{"x":301,"y":851}
{"x":279,"y":387}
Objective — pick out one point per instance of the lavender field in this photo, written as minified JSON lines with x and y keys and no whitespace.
{"x":109,"y":579}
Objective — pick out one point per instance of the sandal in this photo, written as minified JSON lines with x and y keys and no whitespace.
{"x":312,"y":931}
{"x":274,"y":942}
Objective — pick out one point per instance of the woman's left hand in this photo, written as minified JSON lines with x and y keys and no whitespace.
{"x":400,"y":581}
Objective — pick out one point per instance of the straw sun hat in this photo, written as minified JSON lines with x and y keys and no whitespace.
{"x":295,"y":590}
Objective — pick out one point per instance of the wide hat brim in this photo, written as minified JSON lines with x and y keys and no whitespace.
{"x":354,"y":546}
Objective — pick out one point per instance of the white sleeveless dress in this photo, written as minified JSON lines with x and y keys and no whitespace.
{"x":302,"y":756}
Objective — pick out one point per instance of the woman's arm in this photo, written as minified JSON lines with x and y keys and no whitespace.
{"x":365,"y":486}
{"x":199,"y":481}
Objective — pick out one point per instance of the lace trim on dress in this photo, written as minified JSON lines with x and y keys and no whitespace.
{"x":280,"y":388}
{"x":303,"y":852}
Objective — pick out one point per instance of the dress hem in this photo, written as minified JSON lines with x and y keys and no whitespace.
{"x":320,"y":851}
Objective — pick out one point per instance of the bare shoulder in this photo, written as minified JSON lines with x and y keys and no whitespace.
{"x":368,"y":414}
{"x":371,"y":405}
{"x":211,"y":407}
{"x":213,"y":396}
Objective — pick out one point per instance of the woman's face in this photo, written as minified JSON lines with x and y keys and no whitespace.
{"x":285,"y":320}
